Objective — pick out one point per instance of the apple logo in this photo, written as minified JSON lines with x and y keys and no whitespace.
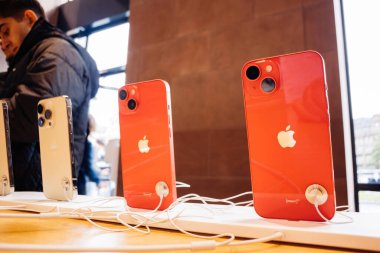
{"x":285,"y":138}
{"x":143,"y":145}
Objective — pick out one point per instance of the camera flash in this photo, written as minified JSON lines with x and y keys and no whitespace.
{"x":268,"y":68}
{"x":133,"y":92}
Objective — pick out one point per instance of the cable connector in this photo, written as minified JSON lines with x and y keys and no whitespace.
{"x":316,"y":194}
{"x":4,"y":180}
{"x":162,"y":189}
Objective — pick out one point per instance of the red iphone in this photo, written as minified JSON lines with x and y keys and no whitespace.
{"x":146,"y":138}
{"x":288,"y":131}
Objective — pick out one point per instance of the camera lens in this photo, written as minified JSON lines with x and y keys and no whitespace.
{"x":132,"y":104}
{"x":122,"y":95}
{"x":48,"y":114}
{"x":40,"y":108}
{"x":268,"y":85}
{"x":41,"y":121}
{"x":253,"y":72}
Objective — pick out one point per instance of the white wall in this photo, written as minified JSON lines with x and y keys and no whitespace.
{"x":50,"y":6}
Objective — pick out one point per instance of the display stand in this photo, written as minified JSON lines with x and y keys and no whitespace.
{"x":363,"y":233}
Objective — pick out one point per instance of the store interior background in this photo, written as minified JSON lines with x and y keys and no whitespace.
{"x":199,"y":47}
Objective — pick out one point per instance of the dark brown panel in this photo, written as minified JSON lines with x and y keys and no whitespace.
{"x":256,"y":38}
{"x":201,"y":15}
{"x":275,"y":7}
{"x":151,"y":23}
{"x":320,"y":27}
{"x":179,"y":57}
{"x":228,"y":154}
{"x":74,"y":14}
{"x":200,"y":47}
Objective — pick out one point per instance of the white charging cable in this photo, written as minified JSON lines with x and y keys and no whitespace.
{"x":317,"y":195}
{"x":242,"y":203}
{"x":104,"y":202}
{"x":144,"y":219}
{"x":192,"y":197}
{"x":179,"y":184}
{"x":348,"y":218}
{"x":87,"y":214}
{"x":30,"y":247}
{"x":231,"y":237}
{"x":140,"y":217}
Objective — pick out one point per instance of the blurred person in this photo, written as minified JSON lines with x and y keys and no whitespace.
{"x":42,"y":62}
{"x":87,"y":172}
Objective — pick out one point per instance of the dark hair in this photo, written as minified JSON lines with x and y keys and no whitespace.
{"x":16,"y":8}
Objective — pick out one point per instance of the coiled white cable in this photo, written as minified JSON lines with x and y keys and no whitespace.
{"x":230,"y":236}
{"x":144,"y":218}
{"x":349,"y":219}
{"x":135,"y":214}
{"x":242,"y":203}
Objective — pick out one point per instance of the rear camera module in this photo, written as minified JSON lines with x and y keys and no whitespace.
{"x":41,"y":121}
{"x":268,"y":85}
{"x":132,"y":104}
{"x":40,"y":108}
{"x":48,"y":114}
{"x":122,"y":95}
{"x":253,"y":72}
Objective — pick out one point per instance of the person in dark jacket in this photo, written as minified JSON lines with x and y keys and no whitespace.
{"x":42,"y":62}
{"x":87,"y":172}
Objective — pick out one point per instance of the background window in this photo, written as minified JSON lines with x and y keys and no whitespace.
{"x":108,"y":45}
{"x":361,"y":22}
{"x":104,"y":107}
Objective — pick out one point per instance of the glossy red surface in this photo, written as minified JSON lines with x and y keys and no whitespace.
{"x":297,"y":107}
{"x":149,"y":124}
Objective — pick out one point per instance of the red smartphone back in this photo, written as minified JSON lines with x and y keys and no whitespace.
{"x":146,"y":139}
{"x":288,"y":135}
